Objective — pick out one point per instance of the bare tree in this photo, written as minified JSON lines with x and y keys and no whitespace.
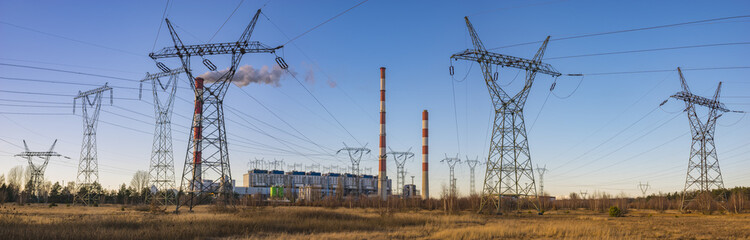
{"x":140,"y":180}
{"x":15,"y":175}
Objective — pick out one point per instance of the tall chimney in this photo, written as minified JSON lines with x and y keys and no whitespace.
{"x":382,"y":183}
{"x":197,"y":134}
{"x":425,"y":155}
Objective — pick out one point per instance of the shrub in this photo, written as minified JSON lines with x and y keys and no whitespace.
{"x":52,"y":205}
{"x":614,"y":211}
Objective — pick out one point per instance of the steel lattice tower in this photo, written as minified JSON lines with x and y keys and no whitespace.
{"x":509,"y":159}
{"x":472,"y":180}
{"x":207,"y":155}
{"x":87,"y":179}
{"x":703,"y":172}
{"x":37,"y":170}
{"x":644,"y":188}
{"x":400,"y":159}
{"x":541,"y":171}
{"x":355,"y":155}
{"x":161,"y":167}
{"x":451,"y":161}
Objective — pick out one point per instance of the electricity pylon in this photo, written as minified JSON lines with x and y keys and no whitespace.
{"x":87,"y":179}
{"x":37,"y":169}
{"x":400,"y":159}
{"x":207,"y":153}
{"x":703,"y":172}
{"x":355,"y":155}
{"x":161,"y":167}
{"x":451,"y":161}
{"x":509,"y":159}
{"x":541,"y":171}
{"x":644,"y":188}
{"x":472,"y":166}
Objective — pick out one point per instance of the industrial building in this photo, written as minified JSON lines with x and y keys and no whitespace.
{"x":309,"y":185}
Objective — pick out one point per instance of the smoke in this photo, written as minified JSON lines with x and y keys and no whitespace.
{"x":332,"y":83}
{"x":246,"y":75}
{"x":310,"y":78}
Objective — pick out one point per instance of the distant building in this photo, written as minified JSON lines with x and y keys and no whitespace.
{"x":308,"y":185}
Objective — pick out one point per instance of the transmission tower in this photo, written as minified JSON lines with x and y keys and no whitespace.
{"x":703,"y":172}
{"x":584,"y":194}
{"x":161,"y":167}
{"x":207,"y":155}
{"x":451,"y":161}
{"x":644,"y":188}
{"x":472,"y":166}
{"x":541,"y":171}
{"x":400,"y":159}
{"x":509,"y":160}
{"x":355,"y":155}
{"x":37,"y":169}
{"x":87,"y":179}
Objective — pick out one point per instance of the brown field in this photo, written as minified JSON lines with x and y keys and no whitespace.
{"x":114,"y":222}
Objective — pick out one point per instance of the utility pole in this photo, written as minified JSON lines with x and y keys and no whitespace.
{"x":37,"y":169}
{"x":509,"y":159}
{"x":207,"y":153}
{"x":451,"y":161}
{"x":541,"y":171}
{"x":472,"y":166}
{"x":703,"y":172}
{"x":355,"y":155}
{"x":400,"y":159}
{"x":161,"y":167}
{"x":88,"y":167}
{"x":643,"y":188}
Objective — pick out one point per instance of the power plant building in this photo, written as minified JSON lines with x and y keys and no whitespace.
{"x":258,"y":181}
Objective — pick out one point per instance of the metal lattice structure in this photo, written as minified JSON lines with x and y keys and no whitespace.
{"x":472,"y":179}
{"x":37,"y":169}
{"x":161,"y":167}
{"x":509,"y":170}
{"x":541,"y":171}
{"x":400,"y":159}
{"x":207,"y":169}
{"x":451,"y":161}
{"x":87,"y":179}
{"x":644,"y":188}
{"x":355,"y":155}
{"x":703,"y":172}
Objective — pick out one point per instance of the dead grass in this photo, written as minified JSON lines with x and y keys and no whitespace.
{"x":111,"y":222}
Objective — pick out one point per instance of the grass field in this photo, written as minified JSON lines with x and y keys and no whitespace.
{"x":116,"y":222}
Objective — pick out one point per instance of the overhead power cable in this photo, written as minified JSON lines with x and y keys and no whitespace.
{"x":648,"y":50}
{"x":225,"y":21}
{"x":66,"y":71}
{"x":71,"y":39}
{"x":626,"y":30}
{"x":665,"y":70}
{"x":324,"y":22}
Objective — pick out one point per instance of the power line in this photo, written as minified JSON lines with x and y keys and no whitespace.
{"x":665,"y":70}
{"x":71,"y":39}
{"x":649,"y":50}
{"x":66,"y":71}
{"x":225,"y":22}
{"x":626,"y":30}
{"x":324,"y":22}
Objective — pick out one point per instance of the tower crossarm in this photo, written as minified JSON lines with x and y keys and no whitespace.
{"x":154,"y":76}
{"x":699,"y":100}
{"x":482,"y":56}
{"x":213,"y":49}
{"x":38,"y":154}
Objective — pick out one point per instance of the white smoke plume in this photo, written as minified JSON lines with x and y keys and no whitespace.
{"x":246,"y":75}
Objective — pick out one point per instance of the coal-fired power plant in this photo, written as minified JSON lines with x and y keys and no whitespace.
{"x":425,"y":157}
{"x":382,"y":184}
{"x":197,"y":134}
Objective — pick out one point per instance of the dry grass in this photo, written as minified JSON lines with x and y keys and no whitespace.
{"x":111,"y":222}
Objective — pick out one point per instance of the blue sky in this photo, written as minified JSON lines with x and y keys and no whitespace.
{"x":413,"y":40}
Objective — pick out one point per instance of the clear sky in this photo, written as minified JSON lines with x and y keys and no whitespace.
{"x":607,"y":136}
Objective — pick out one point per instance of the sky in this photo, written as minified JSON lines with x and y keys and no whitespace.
{"x":599,"y":132}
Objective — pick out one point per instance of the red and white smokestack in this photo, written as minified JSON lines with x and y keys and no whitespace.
{"x":382,"y":183}
{"x":425,"y":175}
{"x":197,"y":134}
